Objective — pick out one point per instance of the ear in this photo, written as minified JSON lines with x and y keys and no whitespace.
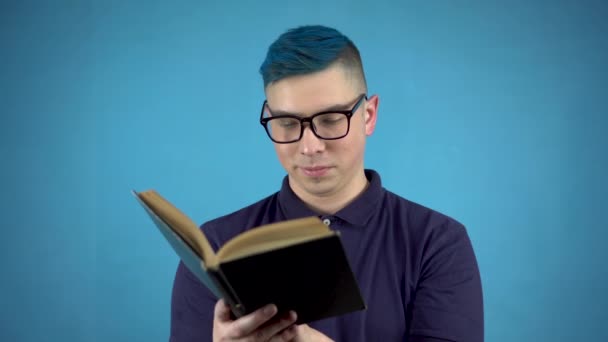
{"x":371,"y":114}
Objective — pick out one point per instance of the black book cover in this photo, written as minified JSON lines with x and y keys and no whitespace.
{"x":313,"y":278}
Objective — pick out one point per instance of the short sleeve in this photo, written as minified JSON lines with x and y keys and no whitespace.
{"x":448,"y":301}
{"x":192,"y":303}
{"x":192,"y":306}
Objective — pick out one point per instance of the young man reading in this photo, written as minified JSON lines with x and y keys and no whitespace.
{"x":415,"y":267}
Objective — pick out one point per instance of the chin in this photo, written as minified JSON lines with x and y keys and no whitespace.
{"x":318,"y":187}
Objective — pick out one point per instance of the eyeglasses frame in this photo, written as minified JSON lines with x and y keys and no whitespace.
{"x":349,"y":113}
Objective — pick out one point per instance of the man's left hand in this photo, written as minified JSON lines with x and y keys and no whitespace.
{"x":307,"y":334}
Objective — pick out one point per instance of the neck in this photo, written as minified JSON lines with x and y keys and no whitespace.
{"x":331,"y":203}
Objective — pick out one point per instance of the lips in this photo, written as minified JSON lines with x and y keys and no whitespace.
{"x":315,"y":171}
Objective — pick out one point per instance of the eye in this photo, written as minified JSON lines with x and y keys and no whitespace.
{"x":330,"y":119}
{"x":287,"y":122}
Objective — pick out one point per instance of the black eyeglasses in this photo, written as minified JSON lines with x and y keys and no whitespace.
{"x":327,"y":125}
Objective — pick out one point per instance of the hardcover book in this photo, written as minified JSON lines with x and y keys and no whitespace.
{"x":297,"y":264}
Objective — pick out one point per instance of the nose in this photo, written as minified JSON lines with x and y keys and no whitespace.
{"x":310,"y":144}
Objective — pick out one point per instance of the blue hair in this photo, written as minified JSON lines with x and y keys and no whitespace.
{"x":308,"y":49}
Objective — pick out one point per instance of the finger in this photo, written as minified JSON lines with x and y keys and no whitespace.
{"x":222,"y":311}
{"x":287,"y":334}
{"x":281,"y":330}
{"x":249,"y":323}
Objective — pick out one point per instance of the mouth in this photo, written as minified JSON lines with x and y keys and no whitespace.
{"x":315,"y":171}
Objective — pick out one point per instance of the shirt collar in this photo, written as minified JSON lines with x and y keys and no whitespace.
{"x":357,"y":212}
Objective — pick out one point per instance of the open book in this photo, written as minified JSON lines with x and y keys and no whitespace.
{"x":297,"y":265}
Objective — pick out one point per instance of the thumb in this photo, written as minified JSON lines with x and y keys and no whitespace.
{"x":222,"y":311}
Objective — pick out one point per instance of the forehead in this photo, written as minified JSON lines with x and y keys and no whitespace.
{"x":312,"y":92}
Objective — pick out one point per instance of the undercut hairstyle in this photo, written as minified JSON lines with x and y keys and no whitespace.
{"x":309,"y":49}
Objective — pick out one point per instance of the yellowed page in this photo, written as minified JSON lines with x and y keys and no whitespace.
{"x":273,"y":236}
{"x":181,"y":223}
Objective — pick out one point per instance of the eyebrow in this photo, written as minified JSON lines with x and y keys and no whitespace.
{"x":338,"y":107}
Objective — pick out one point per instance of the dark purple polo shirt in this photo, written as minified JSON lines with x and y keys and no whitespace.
{"x":415,"y":267}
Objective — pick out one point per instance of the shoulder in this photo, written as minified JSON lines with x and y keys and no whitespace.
{"x":223,"y":228}
{"x":417,"y":213}
{"x":422,"y":224}
{"x":437,"y":244}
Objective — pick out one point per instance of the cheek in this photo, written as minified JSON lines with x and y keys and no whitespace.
{"x":284,"y":152}
{"x":352,"y":149}
{"x":347,"y":149}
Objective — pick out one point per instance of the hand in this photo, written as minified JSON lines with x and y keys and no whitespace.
{"x":259,"y":326}
{"x":307,"y":334}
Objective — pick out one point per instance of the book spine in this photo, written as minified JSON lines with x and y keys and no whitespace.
{"x":227,"y":292}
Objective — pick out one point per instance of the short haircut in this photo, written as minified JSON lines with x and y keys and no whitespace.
{"x":308,"y":49}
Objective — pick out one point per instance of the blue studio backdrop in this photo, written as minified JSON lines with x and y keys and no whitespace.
{"x":492,"y":112}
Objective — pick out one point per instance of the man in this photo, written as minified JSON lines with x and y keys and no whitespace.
{"x":415,"y":267}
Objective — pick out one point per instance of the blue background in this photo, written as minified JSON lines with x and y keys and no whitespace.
{"x":492,"y":112}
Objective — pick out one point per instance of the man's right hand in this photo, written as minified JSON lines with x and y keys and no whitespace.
{"x":259,"y":326}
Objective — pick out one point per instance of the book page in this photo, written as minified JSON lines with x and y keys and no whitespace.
{"x":181,"y":224}
{"x":273,"y":236}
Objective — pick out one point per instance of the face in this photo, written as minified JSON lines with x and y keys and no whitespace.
{"x":324,"y":168}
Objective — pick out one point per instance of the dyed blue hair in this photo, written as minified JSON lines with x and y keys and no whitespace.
{"x":308,"y":49}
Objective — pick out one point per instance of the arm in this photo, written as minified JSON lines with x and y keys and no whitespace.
{"x":191,"y":308}
{"x":196,"y":315}
{"x":426,"y":339}
{"x":448,"y":304}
